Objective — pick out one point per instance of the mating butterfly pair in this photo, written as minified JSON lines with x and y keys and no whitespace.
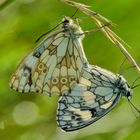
{"x":59,"y":66}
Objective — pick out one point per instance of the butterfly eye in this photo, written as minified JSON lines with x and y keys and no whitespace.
{"x":129,"y":95}
{"x":66,"y":21}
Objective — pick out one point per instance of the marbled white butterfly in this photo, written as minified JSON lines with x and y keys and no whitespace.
{"x":59,"y":66}
{"x":96,"y":94}
{"x":55,"y":66}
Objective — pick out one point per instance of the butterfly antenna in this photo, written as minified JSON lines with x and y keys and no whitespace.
{"x":133,"y":84}
{"x":133,"y":110}
{"x":47,"y":32}
{"x":74,"y":13}
{"x":121,"y":72}
{"x":54,"y":27}
{"x":133,"y":106}
{"x":120,"y":69}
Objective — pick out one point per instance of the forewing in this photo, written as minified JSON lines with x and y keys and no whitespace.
{"x":53,"y":67}
{"x":83,"y":106}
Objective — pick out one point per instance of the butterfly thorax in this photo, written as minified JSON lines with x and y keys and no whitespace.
{"x":72,"y":29}
{"x":123,"y":86}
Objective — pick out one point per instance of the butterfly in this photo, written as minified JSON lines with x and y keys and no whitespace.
{"x":55,"y":65}
{"x":96,"y":94}
{"x":58,"y":65}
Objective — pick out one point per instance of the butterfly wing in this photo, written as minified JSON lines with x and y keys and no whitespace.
{"x":88,"y":101}
{"x":53,"y":67}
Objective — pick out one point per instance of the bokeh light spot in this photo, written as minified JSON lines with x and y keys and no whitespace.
{"x":2,"y":125}
{"x":25,"y":113}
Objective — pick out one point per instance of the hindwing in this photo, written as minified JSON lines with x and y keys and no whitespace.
{"x":88,"y":101}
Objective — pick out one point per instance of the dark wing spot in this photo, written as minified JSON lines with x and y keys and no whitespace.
{"x":37,"y":54}
{"x":30,"y":74}
{"x":39,"y":50}
{"x":93,"y":111}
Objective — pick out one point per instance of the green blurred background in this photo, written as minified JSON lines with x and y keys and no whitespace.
{"x":32,"y":116}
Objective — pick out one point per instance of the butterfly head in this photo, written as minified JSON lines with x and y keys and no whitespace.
{"x":67,"y":21}
{"x":124,"y":87}
{"x":70,"y":27}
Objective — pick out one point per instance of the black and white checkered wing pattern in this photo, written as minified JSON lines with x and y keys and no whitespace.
{"x":55,"y":65}
{"x":89,"y":100}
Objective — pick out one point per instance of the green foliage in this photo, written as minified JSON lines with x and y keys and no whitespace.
{"x":21,"y":23}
